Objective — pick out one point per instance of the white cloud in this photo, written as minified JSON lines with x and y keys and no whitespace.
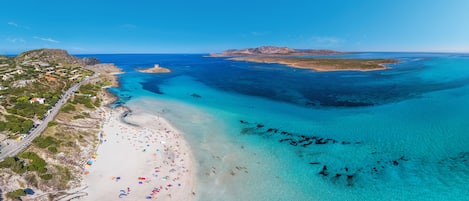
{"x":13,"y":24}
{"x":16,"y":40}
{"x":46,"y":39}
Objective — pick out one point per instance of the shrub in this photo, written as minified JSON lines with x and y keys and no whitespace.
{"x":26,"y":161}
{"x":97,"y":102}
{"x":45,"y":142}
{"x":78,"y":117}
{"x":86,"y":114}
{"x":53,"y":150}
{"x":68,"y":107}
{"x":89,"y":105}
{"x":46,"y":176}
{"x":15,"y":164}
{"x":15,"y":124}
{"x":16,"y":194}
{"x":52,"y":123}
{"x":90,"y":89}
{"x":36,"y":163}
{"x":86,"y":101}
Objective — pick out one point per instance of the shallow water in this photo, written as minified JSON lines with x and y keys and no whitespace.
{"x":269,"y":132}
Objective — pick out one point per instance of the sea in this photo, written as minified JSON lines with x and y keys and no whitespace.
{"x":266,"y":132}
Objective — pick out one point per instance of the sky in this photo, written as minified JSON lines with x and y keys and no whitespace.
{"x":205,"y":26}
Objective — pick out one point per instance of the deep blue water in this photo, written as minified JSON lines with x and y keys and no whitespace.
{"x":398,"y":134}
{"x":297,"y":86}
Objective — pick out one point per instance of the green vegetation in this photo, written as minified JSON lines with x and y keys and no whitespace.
{"x":86,"y":95}
{"x":86,"y":114}
{"x":35,"y":163}
{"x":28,"y":110}
{"x":53,"y":150}
{"x":15,"y":124}
{"x":46,"y":176}
{"x":90,"y":89}
{"x":43,"y":73}
{"x":85,"y":100}
{"x":26,"y":161}
{"x":68,"y":107}
{"x":43,"y":143}
{"x":16,"y":194}
{"x":52,"y":123}
{"x":26,"y":80}
{"x":78,"y":116}
{"x":15,"y":164}
{"x":97,"y":102}
{"x":106,"y":83}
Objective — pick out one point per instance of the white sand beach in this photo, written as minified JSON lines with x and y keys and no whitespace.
{"x":148,"y":161}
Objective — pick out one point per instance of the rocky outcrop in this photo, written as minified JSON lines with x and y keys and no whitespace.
{"x":91,"y":61}
{"x":273,"y":51}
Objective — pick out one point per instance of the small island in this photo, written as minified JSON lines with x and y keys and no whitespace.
{"x":323,"y":64}
{"x":156,"y":69}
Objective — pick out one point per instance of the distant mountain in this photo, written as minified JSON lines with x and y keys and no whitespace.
{"x":273,"y":51}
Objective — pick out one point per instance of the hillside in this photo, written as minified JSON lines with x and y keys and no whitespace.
{"x":31,"y":83}
{"x":53,"y":162}
{"x":273,"y":51}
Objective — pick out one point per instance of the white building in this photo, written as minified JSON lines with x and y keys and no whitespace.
{"x":37,"y":100}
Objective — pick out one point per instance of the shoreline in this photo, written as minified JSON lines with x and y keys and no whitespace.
{"x":161,"y":162}
{"x":155,"y":160}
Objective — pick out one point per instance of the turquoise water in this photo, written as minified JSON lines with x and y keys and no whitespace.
{"x":269,"y":132}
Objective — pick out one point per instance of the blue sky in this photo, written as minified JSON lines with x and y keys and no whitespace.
{"x":177,"y":26}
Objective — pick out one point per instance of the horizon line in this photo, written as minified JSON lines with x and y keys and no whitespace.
{"x":371,"y":51}
{"x":194,"y":53}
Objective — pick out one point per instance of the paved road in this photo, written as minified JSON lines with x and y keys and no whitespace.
{"x":14,"y":149}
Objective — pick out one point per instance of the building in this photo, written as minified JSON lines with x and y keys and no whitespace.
{"x":37,"y":100}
